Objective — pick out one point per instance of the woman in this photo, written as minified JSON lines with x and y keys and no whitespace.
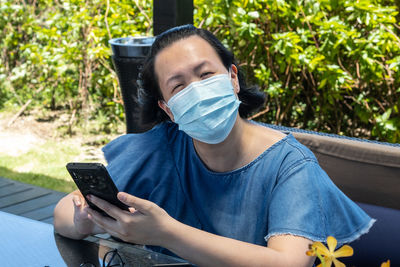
{"x":220,"y":190}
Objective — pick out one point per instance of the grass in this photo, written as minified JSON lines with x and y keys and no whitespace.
{"x":43,"y":165}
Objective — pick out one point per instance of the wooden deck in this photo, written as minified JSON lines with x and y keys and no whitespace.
{"x":28,"y":200}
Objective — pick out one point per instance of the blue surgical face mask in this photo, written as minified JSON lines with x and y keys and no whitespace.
{"x":206,"y":110}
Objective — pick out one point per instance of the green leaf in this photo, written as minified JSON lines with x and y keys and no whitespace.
{"x":254,"y":14}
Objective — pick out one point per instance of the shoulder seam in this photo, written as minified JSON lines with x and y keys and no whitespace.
{"x":297,"y":147}
{"x":297,"y":163}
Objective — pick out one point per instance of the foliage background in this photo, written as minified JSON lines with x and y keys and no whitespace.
{"x":326,"y":65}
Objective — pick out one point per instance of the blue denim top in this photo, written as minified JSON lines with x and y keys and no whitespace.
{"x":282,"y":191}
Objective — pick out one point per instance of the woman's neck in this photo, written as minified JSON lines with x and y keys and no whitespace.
{"x":227,"y":155}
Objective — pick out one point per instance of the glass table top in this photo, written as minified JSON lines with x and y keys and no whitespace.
{"x":26,"y":242}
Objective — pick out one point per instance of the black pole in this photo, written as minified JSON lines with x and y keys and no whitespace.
{"x":170,"y":13}
{"x":128,"y":56}
{"x":129,"y":53}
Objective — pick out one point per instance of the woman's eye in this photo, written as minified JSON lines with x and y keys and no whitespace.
{"x":177,"y":87}
{"x":206,"y":74}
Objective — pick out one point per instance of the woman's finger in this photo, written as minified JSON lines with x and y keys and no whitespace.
{"x":110,"y":209}
{"x":140,"y":204}
{"x":76,"y":200}
{"x":105,"y":224}
{"x":102,"y":221}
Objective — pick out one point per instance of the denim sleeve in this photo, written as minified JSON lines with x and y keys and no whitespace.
{"x":136,"y":155}
{"x":305,"y":202}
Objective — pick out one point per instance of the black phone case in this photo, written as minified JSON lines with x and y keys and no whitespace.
{"x":94,"y":179}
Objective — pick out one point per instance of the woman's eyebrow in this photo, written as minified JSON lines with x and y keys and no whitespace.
{"x":173,"y":78}
{"x":198,"y":67}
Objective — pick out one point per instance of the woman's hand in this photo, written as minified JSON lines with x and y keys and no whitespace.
{"x":71,"y":217}
{"x":146,"y":223}
{"x":83,"y":224}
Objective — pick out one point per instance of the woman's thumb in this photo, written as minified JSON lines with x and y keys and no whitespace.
{"x":139,"y":204}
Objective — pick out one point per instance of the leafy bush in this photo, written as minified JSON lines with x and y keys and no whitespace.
{"x":57,"y":53}
{"x":326,"y":65}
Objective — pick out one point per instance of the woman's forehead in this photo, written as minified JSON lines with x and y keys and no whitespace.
{"x":184,"y":53}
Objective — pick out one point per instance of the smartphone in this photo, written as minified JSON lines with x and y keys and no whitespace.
{"x":94,"y":179}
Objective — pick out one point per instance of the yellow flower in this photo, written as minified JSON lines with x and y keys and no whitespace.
{"x":385,"y":264}
{"x":329,"y":255}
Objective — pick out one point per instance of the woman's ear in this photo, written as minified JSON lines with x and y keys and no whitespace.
{"x":164,"y":106}
{"x":235,"y":78}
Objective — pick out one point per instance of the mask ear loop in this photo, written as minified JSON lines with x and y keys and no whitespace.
{"x":233,"y":87}
{"x":165,"y":103}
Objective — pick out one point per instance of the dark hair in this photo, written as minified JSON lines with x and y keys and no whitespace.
{"x":149,"y":90}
